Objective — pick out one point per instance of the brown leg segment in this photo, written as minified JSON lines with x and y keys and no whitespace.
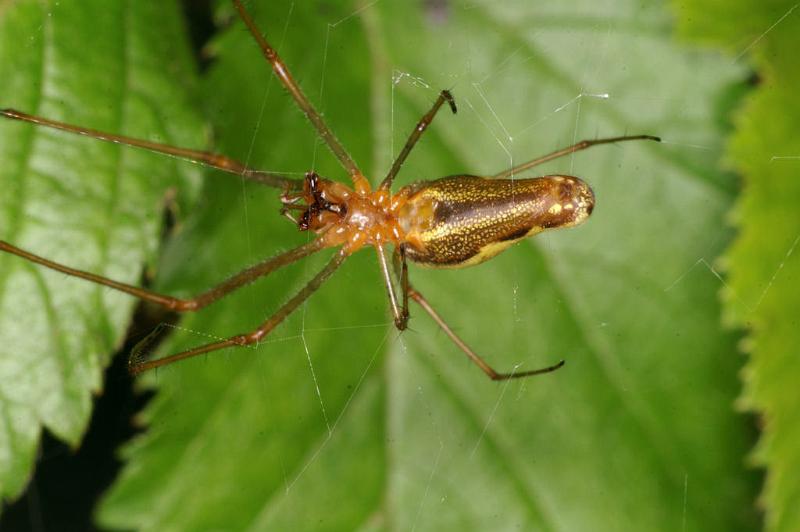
{"x":422,"y":125}
{"x":172,"y":303}
{"x":255,"y":336}
{"x":472,"y":355}
{"x":400,"y":319}
{"x":401,"y":270}
{"x":286,"y":78}
{"x":220,"y":162}
{"x":582,"y":145}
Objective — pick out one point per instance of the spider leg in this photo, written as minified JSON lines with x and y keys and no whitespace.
{"x":135,"y":366}
{"x":472,"y":355}
{"x":582,"y":145}
{"x":401,"y":271}
{"x":286,"y":78}
{"x":212,"y":160}
{"x":422,"y":125}
{"x":400,"y":314}
{"x":242,"y":278}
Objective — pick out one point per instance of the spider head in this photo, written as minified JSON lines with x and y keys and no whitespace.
{"x":322,"y":203}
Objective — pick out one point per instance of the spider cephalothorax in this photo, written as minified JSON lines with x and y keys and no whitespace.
{"x":318,"y":202}
{"x":345,"y":216}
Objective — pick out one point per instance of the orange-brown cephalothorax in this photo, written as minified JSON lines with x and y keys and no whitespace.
{"x":450,"y":222}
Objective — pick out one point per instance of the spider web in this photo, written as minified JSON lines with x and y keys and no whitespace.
{"x":443,"y":424}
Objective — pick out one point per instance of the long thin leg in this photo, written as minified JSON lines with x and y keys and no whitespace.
{"x":179,"y":305}
{"x":401,"y":271}
{"x":135,"y":366}
{"x":399,"y":319}
{"x":213,"y":160}
{"x":422,"y":125}
{"x":283,"y":74}
{"x":486,"y":368}
{"x":582,"y":145}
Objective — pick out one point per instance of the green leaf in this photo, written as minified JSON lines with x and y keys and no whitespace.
{"x":118,"y":67}
{"x":401,"y":431}
{"x":763,"y":262}
{"x":636,"y":432}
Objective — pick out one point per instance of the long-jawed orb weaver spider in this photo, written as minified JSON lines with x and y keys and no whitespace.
{"x":451,"y":222}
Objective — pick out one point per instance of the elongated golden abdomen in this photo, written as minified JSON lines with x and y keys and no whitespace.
{"x":463,"y":220}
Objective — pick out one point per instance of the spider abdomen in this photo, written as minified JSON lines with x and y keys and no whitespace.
{"x":463,"y":220}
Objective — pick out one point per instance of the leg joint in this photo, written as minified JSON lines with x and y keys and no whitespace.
{"x":184,"y":305}
{"x":242,"y":340}
{"x":401,"y":322}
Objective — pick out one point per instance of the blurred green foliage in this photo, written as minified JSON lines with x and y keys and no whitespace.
{"x":763,"y":264}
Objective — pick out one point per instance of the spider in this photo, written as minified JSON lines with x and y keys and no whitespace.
{"x":451,"y":222}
